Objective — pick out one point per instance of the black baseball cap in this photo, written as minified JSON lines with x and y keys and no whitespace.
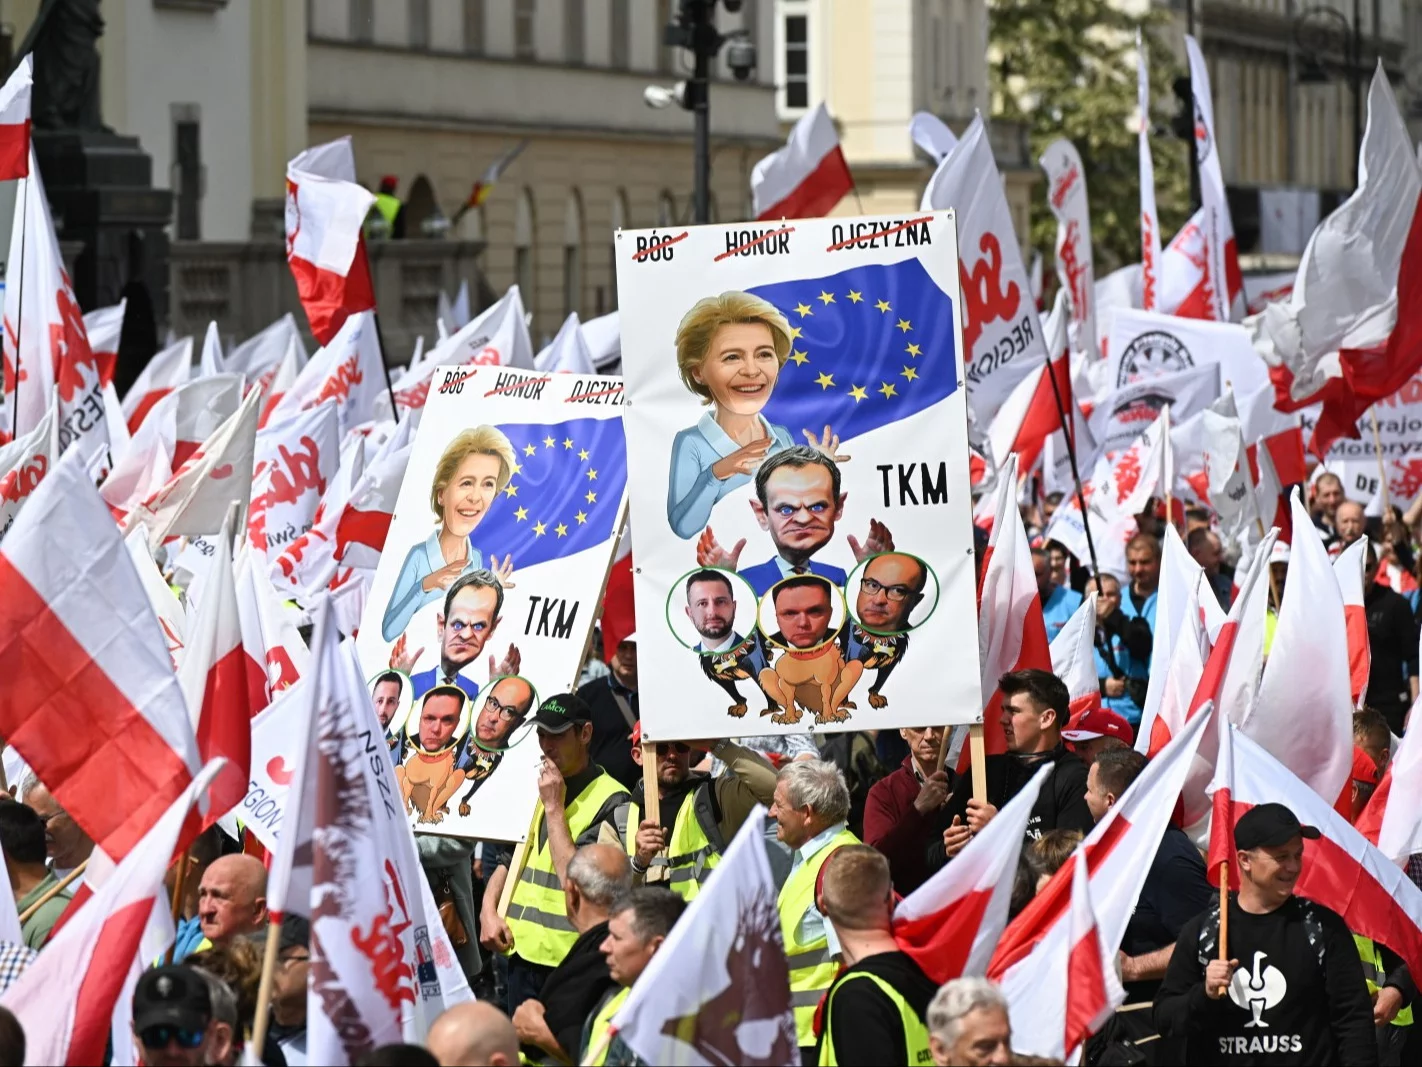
{"x":562,"y":712}
{"x":1269,"y":826}
{"x":173,"y":996}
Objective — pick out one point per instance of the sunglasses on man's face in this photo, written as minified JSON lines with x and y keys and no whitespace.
{"x":160,"y":1036}
{"x":664,"y":747}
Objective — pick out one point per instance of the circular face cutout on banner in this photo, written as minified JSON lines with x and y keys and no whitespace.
{"x":892,"y":593}
{"x":503,"y":713}
{"x":802,"y":613}
{"x":710,"y":609}
{"x":438,"y":721}
{"x":392,"y":694}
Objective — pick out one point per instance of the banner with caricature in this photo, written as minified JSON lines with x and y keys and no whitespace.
{"x":502,"y":535}
{"x":797,"y":442}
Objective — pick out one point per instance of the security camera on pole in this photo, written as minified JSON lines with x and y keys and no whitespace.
{"x":693,"y":28}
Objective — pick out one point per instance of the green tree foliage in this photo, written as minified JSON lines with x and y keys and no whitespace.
{"x":1066,"y":68}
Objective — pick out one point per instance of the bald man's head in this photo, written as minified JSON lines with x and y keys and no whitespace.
{"x":1349,"y":520}
{"x":597,"y":876}
{"x":473,"y":1033}
{"x":232,"y":898}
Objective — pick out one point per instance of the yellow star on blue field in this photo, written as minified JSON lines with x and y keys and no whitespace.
{"x":539,"y":529}
{"x":883,"y":305}
{"x":520,"y":514}
{"x":826,"y":298}
{"x":855,"y":298}
{"x":529,"y":450}
{"x":858,"y":393}
{"x":802,"y":310}
{"x":592,"y":476}
{"x":591,"y":497}
{"x":548,"y":441}
{"x":583,"y":454}
{"x":516,"y":469}
{"x":799,"y":358}
{"x":582,"y":517}
{"x":905,"y":325}
{"x":794,"y":333}
{"x":824,"y":381}
{"x":914,"y":350}
{"x":510,"y":490}
{"x":567,"y":442}
{"x":561,"y":530}
{"x":910,"y":373}
{"x":887,"y":389}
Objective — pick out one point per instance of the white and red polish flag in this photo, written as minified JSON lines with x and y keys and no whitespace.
{"x":325,"y":210}
{"x":1012,"y":635}
{"x":104,"y":327}
{"x":66,"y":999}
{"x":999,"y":311}
{"x":807,"y":177}
{"x":1074,"y":660}
{"x":163,"y":373}
{"x":308,"y":564}
{"x":1282,"y":434}
{"x":1066,"y":196}
{"x":1341,"y":869}
{"x":350,"y":370}
{"x":15,"y":121}
{"x":275,"y":655}
{"x":1150,"y":218}
{"x":90,"y":698}
{"x":23,"y":465}
{"x":1348,"y":568}
{"x":1184,"y":288}
{"x":1303,"y":713}
{"x":1393,"y":818}
{"x":1118,"y":855}
{"x":1031,"y":414}
{"x":1228,"y":486}
{"x":278,"y":382}
{"x":294,"y":461}
{"x":182,"y":420}
{"x":951,"y":924}
{"x":497,"y":336}
{"x":1093,"y":988}
{"x":1179,"y":672}
{"x":214,"y":678}
{"x":1218,"y":228}
{"x":365,"y":521}
{"x":258,"y":356}
{"x":195,"y":500}
{"x":167,"y":608}
{"x":1269,"y":499}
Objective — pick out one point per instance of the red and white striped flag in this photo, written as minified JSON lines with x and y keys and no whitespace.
{"x":365,"y":521}
{"x":66,"y":999}
{"x":163,"y":373}
{"x":325,"y":210}
{"x":1073,"y":653}
{"x":1093,"y":989}
{"x":1348,"y":568}
{"x":1282,"y":434}
{"x":1118,"y":853}
{"x":104,"y":327}
{"x":214,"y":677}
{"x":1393,"y":818}
{"x":1033,"y":410}
{"x":15,"y":121}
{"x":806,"y":178}
{"x":951,"y":924}
{"x":1341,"y":870}
{"x":275,"y":655}
{"x":1303,"y":713}
{"x":90,"y":699}
{"x":349,"y":370}
{"x":1012,"y":635}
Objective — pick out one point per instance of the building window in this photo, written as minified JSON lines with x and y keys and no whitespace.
{"x":419,"y":12}
{"x":524,"y":12}
{"x":572,"y":254}
{"x":573,"y":34}
{"x":187,"y":176}
{"x":621,"y":30}
{"x":363,"y":21}
{"x":474,"y":27}
{"x":523,"y":248}
{"x":792,"y":58}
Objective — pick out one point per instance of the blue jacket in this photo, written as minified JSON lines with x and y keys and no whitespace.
{"x":764,"y":575}
{"x":1060,"y":607}
{"x":1147,"y":612}
{"x":423,"y":682}
{"x":1122,"y":705}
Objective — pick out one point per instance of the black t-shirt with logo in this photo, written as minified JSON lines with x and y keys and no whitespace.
{"x":1298,"y":997}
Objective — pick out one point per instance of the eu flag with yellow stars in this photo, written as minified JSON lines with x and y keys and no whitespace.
{"x":872,"y":345}
{"x":562,"y":498}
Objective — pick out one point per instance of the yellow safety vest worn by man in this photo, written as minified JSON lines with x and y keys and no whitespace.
{"x":806,"y":932}
{"x":907,"y":1033}
{"x":1375,"y":972}
{"x":595,"y":1043}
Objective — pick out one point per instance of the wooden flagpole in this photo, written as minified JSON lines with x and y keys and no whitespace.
{"x":54,"y":890}
{"x":1382,"y":469}
{"x":264,"y":987}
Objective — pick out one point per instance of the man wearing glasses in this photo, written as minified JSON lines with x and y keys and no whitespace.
{"x":470,"y":617}
{"x":506,"y":706}
{"x":890,"y":588}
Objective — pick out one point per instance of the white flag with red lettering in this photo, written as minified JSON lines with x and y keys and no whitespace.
{"x":90,"y":699}
{"x":1348,"y":568}
{"x":951,"y":924}
{"x":257,"y":357}
{"x":276,"y":657}
{"x":164,"y":372}
{"x":1036,"y":946}
{"x":365,"y":521}
{"x":806,"y":178}
{"x":1066,"y":196}
{"x":1218,"y":228}
{"x":277,"y":382}
{"x":1033,"y":411}
{"x":349,"y":370}
{"x":66,"y":999}
{"x":1002,"y":337}
{"x":1150,"y":219}
{"x":1074,"y":660}
{"x":23,"y":465}
{"x":15,"y":121}
{"x":293,"y":463}
{"x":325,"y":210}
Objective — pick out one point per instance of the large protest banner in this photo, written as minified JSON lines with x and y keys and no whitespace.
{"x":797,"y":438}
{"x":488,"y":586}
{"x":1146,"y":345}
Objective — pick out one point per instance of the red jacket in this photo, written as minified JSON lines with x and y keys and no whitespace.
{"x":894,"y":826}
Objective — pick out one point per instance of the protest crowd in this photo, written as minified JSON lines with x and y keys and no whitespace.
{"x":1156,"y":801}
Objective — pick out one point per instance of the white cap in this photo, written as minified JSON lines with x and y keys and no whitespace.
{"x":1279,"y":553}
